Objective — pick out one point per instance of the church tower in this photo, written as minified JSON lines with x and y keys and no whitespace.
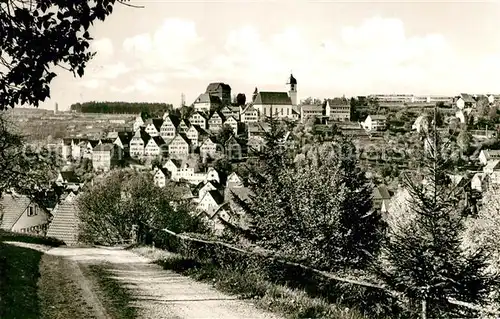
{"x":292,"y":89}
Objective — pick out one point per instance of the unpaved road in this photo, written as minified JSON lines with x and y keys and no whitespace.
{"x":159,"y":293}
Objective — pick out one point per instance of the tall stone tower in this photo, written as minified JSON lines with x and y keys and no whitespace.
{"x":292,"y":89}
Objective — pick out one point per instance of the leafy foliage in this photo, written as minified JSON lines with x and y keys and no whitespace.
{"x":149,"y":109}
{"x":23,"y":167}
{"x":38,"y":35}
{"x":125,"y":198}
{"x":317,"y":211}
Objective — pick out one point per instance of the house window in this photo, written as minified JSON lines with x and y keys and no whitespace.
{"x":31,"y":211}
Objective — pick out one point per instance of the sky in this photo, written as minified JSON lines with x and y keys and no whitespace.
{"x":333,"y":48}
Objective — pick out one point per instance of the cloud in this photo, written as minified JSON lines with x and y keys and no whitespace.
{"x":91,"y":84}
{"x":103,"y":48}
{"x":140,"y":86}
{"x":109,"y":71}
{"x":174,"y":46}
{"x":376,"y":55}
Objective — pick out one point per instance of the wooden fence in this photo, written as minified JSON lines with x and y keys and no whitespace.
{"x":275,"y":256}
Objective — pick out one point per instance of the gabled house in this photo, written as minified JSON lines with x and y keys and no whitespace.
{"x":234,"y":181}
{"x":375,"y":123}
{"x":138,"y":123}
{"x":226,"y":111}
{"x":381,"y":198}
{"x":153,"y":127}
{"x":184,"y":126}
{"x":233,"y":123}
{"x":169,"y":127}
{"x":255,"y":144}
{"x":105,"y":157}
{"x":478,"y":182}
{"x":89,"y":146}
{"x":21,"y":214}
{"x":161,"y":176}
{"x":65,"y":178}
{"x":207,"y":102}
{"x":233,"y":148}
{"x":172,"y":165}
{"x":209,"y":186}
{"x":200,"y":119}
{"x":211,"y":202}
{"x":196,"y":134}
{"x":66,"y":148}
{"x":220,"y":90}
{"x":155,"y":147}
{"x":464,"y":101}
{"x":492,"y":166}
{"x":65,"y":223}
{"x":123,"y":142}
{"x":179,"y":146}
{"x":212,"y":175}
{"x":78,"y":147}
{"x":215,"y":121}
{"x":210,"y":147}
{"x":487,"y":155}
{"x":138,"y":143}
{"x":310,"y":111}
{"x":338,"y":109}
{"x":421,"y":124}
{"x":250,"y":115}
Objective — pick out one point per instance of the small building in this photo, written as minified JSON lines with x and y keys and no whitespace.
{"x":249,"y":115}
{"x":179,"y":146}
{"x":221,"y":90}
{"x":196,"y":135}
{"x":215,"y":121}
{"x":310,"y":111}
{"x":138,"y":123}
{"x":375,"y":123}
{"x":200,"y":119}
{"x":210,"y":147}
{"x":381,"y":198}
{"x":212,"y":175}
{"x":487,"y":155}
{"x":233,"y":148}
{"x":421,"y":124}
{"x":155,"y":147}
{"x":478,"y":182}
{"x":338,"y":109}
{"x":161,"y":176}
{"x":153,"y":127}
{"x":138,"y":143}
{"x":21,"y":214}
{"x":105,"y":157}
{"x":464,"y":101}
{"x":233,"y":123}
{"x":206,"y":102}
{"x":169,"y":127}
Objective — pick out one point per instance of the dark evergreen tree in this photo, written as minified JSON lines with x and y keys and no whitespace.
{"x":422,"y":256}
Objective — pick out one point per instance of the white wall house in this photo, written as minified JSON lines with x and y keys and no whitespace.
{"x":375,"y":123}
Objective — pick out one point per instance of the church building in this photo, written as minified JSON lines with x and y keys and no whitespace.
{"x":277,"y":104}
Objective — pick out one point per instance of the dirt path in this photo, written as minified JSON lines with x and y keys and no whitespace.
{"x":163,"y":294}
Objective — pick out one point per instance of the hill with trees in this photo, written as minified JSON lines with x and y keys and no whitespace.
{"x":122,"y":107}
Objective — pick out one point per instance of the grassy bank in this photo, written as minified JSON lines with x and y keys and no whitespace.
{"x":19,"y":274}
{"x":292,"y":303}
{"x":116,"y":298}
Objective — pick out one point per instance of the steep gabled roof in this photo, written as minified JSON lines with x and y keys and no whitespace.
{"x":172,"y":119}
{"x":65,"y":225}
{"x":200,"y":130}
{"x":272,"y":98}
{"x":216,"y":195}
{"x":70,"y":177}
{"x":159,"y":141}
{"x":249,"y":108}
{"x":338,"y":101}
{"x":93,"y":143}
{"x":208,"y":98}
{"x":215,"y":86}
{"x":104,"y":147}
{"x":142,"y":135}
{"x":157,"y":123}
{"x":381,"y":192}
{"x":468,"y":98}
{"x":12,"y":207}
{"x":214,"y":113}
{"x":378,"y":117}
{"x":203,"y":115}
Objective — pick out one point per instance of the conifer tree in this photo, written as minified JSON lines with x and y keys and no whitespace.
{"x":422,"y":258}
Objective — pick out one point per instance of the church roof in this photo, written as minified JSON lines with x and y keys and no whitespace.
{"x":274,"y":98}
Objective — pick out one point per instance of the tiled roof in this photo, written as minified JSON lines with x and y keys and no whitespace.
{"x":70,"y":177}
{"x":273,"y":98}
{"x":64,"y":225}
{"x":174,"y":120}
{"x":12,"y":207}
{"x":93,"y":143}
{"x":378,"y":117}
{"x":158,"y":140}
{"x":104,"y":147}
{"x":216,"y":195}
{"x":214,"y":87}
{"x":214,"y":113}
{"x":249,"y":108}
{"x":142,"y":135}
{"x":157,"y":123}
{"x":467,"y":98}
{"x":208,"y":98}
{"x":381,"y":192}
{"x":338,"y":101}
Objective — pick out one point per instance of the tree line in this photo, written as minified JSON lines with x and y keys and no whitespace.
{"x":122,"y":108}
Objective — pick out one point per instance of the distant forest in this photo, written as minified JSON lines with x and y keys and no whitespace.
{"x":121,"y":107}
